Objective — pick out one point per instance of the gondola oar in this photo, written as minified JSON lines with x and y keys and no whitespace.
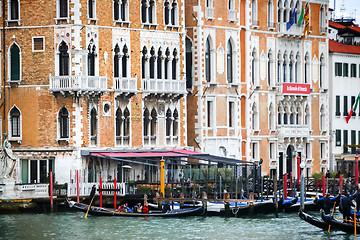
{"x":89,"y":207}
{"x":332,"y":214}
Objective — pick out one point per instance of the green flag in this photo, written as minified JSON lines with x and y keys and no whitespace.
{"x":301,"y":18}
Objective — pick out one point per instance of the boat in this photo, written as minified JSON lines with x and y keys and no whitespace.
{"x":259,"y":207}
{"x":309,"y":205}
{"x":317,"y":222}
{"x":345,"y":227}
{"x":101,"y":211}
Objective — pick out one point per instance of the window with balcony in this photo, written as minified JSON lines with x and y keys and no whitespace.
{"x":229,"y":63}
{"x":62,"y":9}
{"x":286,"y":12}
{"x":152,"y":63}
{"x":284,"y":67}
{"x":345,"y":113}
{"x":14,"y":10}
{"x":159,"y":64}
{"x":345,"y":140}
{"x":122,"y":128}
{"x":174,"y":69}
{"x":280,"y":9}
{"x":171,"y":127}
{"x":15,"y":63}
{"x":15,"y":123}
{"x":279,"y":63}
{"x":124,"y":62}
{"x":63,"y":59}
{"x":338,"y":137}
{"x":210,"y":114}
{"x":279,"y":115}
{"x":270,"y":67}
{"x":91,"y":59}
{"x":345,"y":70}
{"x":299,"y":119}
{"x":337,"y":106}
{"x":150,"y":127}
{"x":307,"y":68}
{"x":93,"y":127}
{"x":291,"y":68}
{"x":353,"y":70}
{"x":166,"y":65}
{"x":208,"y":60}
{"x":175,"y":123}
{"x":292,"y":118}
{"x":285,"y":117}
{"x":144,"y":62}
{"x":121,"y":10}
{"x":338,"y":69}
{"x":148,"y":12}
{"x":63,"y":123}
{"x":254,"y":13}
{"x":270,"y":16}
{"x":116,"y":61}
{"x":91,"y":9}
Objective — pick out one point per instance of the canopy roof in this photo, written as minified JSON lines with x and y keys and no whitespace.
{"x":136,"y":156}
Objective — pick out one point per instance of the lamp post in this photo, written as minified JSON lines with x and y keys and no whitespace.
{"x":302,"y":188}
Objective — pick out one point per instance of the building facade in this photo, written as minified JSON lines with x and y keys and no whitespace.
{"x":91,"y":75}
{"x":344,"y":71}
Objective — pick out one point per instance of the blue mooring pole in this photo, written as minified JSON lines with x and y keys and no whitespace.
{"x":302,"y":190}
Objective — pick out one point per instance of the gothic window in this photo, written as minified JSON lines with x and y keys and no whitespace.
{"x":93,"y":126}
{"x":322,"y":18}
{"x":63,"y":9}
{"x":298,"y":116}
{"x":153,"y":126}
{"x":254,"y":118}
{"x":175,"y":123}
{"x":152,"y":63}
{"x":189,"y":63}
{"x":152,"y":13}
{"x":167,"y":61}
{"x":291,"y":69}
{"x":14,"y":10}
{"x":63,"y":59}
{"x":286,"y":11}
{"x":307,"y":115}
{"x":229,"y":62}
{"x":279,"y":11}
{"x":253,"y":67}
{"x":116,"y":61}
{"x":307,"y":68}
{"x":124,"y":62}
{"x":270,"y":68}
{"x":159,"y":64}
{"x":279,"y":68}
{"x":285,"y":118}
{"x":167,"y":12}
{"x":168,"y":122}
{"x":118,"y":123}
{"x":207,"y":61}
{"x":254,"y":14}
{"x":279,"y":116}
{"x":124,"y":10}
{"x":271,"y":117}
{"x":15,"y":118}
{"x":15,"y":61}
{"x":64,"y":123}
{"x":174,"y":65}
{"x":270,"y":13}
{"x":146,"y":122}
{"x":292,"y":118}
{"x":143,"y":63}
{"x":122,"y":128}
{"x":91,"y":59}
{"x":322,"y":118}
{"x":297,"y":68}
{"x":174,"y":13}
{"x":322,"y":71}
{"x":284,"y":68}
{"x":144,"y":7}
{"x":116,"y":10}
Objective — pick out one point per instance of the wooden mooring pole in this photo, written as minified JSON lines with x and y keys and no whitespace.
{"x":77,"y":186}
{"x":51,"y":192}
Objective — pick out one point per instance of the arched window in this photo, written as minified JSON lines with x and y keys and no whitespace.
{"x":15,"y":122}
{"x":322,"y":118}
{"x":271,"y":117}
{"x":63,"y":9}
{"x":124,"y":10}
{"x":167,"y":12}
{"x":291,"y":68}
{"x":116,"y":61}
{"x":229,"y":62}
{"x":15,"y":61}
{"x":64,"y":123}
{"x":152,"y":12}
{"x":143,"y":63}
{"x":307,"y":68}
{"x":126,"y":131}
{"x":254,"y":13}
{"x":174,"y":65}
{"x":286,"y":116}
{"x":14,"y":10}
{"x":279,"y":116}
{"x":189,"y":63}
{"x":63,"y":59}
{"x":146,"y":122}
{"x":284,"y":68}
{"x":168,"y":123}
{"x":125,"y":58}
{"x":167,"y":60}
{"x":254,"y":118}
{"x":254,"y":67}
{"x":153,"y":126}
{"x":322,"y":71}
{"x":207,"y":60}
{"x":298,"y":116}
{"x":152,"y":63}
{"x":159,"y":64}
{"x":116,"y":10}
{"x":279,"y":11}
{"x":270,"y":14}
{"x":297,"y":68}
{"x":174,"y":11}
{"x":144,"y":7}
{"x":93,"y":126}
{"x":118,"y":124}
{"x":322,"y":19}
{"x":270,"y":68}
{"x":175,"y":123}
{"x":292,"y":117}
{"x":91,"y":59}
{"x":286,"y":11}
{"x":279,"y":68}
{"x":307,"y":115}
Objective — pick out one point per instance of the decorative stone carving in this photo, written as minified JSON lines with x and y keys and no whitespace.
{"x":8,"y":160}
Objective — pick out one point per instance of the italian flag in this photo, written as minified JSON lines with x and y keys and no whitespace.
{"x":354,"y":107}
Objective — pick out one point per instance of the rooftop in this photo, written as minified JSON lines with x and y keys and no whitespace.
{"x":343,"y":48}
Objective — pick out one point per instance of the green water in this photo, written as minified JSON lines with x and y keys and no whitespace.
{"x":72,"y":225}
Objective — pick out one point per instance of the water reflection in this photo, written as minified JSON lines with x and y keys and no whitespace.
{"x":73,"y":225}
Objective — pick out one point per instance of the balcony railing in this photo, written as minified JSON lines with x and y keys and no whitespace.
{"x":85,"y":189}
{"x":150,"y":140}
{"x":125,"y":85}
{"x":294,"y":31}
{"x":161,"y":86}
{"x":232,"y":15}
{"x":209,"y":13}
{"x":172,"y":140}
{"x":78,"y":83}
{"x":122,"y":140}
{"x":294,"y":130}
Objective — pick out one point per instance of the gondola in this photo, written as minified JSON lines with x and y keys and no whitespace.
{"x":345,"y":227}
{"x":259,"y":207}
{"x":313,"y":221}
{"x":309,"y":205}
{"x":101,"y":211}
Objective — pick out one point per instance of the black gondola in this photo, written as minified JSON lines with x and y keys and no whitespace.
{"x":345,"y":227}
{"x":313,"y":221}
{"x":101,"y":211}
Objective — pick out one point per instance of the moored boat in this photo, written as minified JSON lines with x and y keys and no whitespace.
{"x":342,"y":226}
{"x":317,"y":222}
{"x":101,"y":211}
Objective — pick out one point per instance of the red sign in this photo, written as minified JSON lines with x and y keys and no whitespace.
{"x":296,"y":88}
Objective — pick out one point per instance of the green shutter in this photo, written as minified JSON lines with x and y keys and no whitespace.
{"x":15,"y":63}
{"x":24,"y":171}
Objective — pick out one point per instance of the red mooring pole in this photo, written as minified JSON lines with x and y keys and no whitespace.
{"x":51,"y":191}
{"x":323,"y":185}
{"x":357,"y":170}
{"x":285,"y":186}
{"x":115,"y":193}
{"x":77,"y":186}
{"x":100,"y":191}
{"x":298,"y":170}
{"x":340,"y":183}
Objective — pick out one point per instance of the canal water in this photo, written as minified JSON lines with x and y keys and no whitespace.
{"x":73,"y":225}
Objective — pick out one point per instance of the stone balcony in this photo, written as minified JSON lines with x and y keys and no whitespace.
{"x":125,"y":86}
{"x":162,"y":87}
{"x":291,"y":131}
{"x":78,"y":84}
{"x":294,"y":31}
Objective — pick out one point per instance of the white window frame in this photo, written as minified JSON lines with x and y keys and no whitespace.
{"x":10,"y":137}
{"x":122,"y":136}
{"x":255,"y":150}
{"x":93,"y":19}
{"x":212,"y":116}
{"x":18,"y":21}
{"x":97,"y":126}
{"x":58,"y":18}
{"x":59,"y":126}
{"x":254,"y":14}
{"x":43,"y":50}
{"x":233,"y":115}
{"x":272,"y":150}
{"x":9,"y":63}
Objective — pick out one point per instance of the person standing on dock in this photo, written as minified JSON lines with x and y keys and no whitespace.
{"x":346,"y":206}
{"x":327,"y":204}
{"x":92,"y":193}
